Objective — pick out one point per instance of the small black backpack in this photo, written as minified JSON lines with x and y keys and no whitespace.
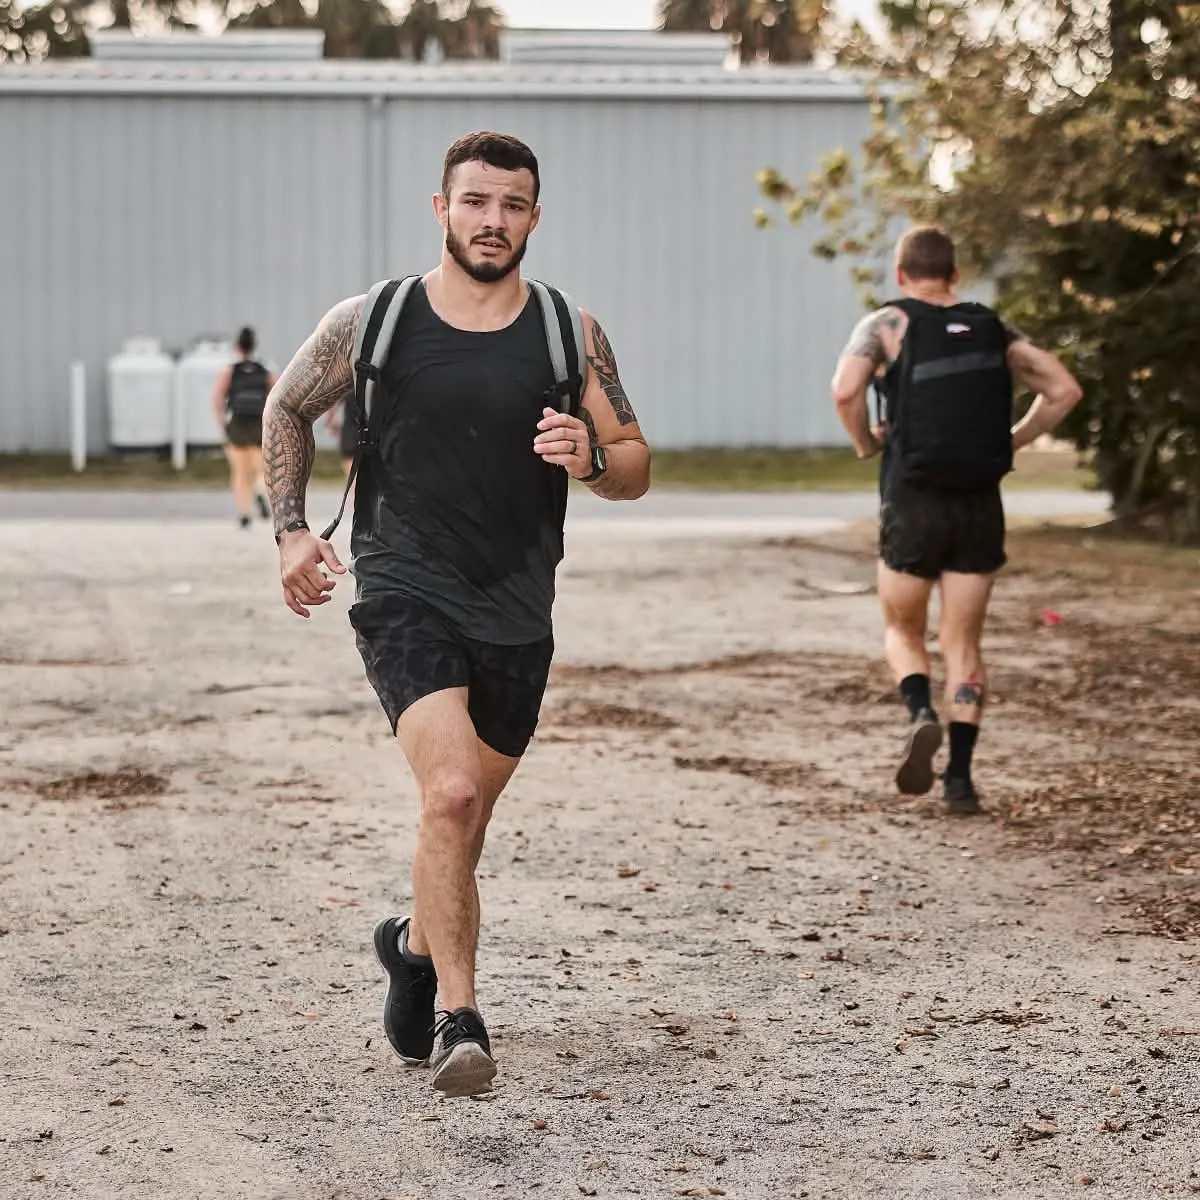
{"x":948,"y":399}
{"x":247,"y":395}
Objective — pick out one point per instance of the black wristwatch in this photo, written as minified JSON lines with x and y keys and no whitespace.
{"x":599,"y":465}
{"x":290,"y":527}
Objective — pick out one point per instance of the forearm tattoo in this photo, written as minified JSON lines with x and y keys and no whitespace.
{"x":318,"y":377}
{"x":604,"y":363}
{"x":867,"y":339}
{"x":586,"y":417}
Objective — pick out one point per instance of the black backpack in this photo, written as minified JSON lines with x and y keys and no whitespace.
{"x":376,"y":325}
{"x":247,"y":395}
{"x":948,"y":399}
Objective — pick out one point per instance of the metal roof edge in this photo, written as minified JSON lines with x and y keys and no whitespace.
{"x":582,"y":89}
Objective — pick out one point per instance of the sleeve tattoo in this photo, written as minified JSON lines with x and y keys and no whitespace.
{"x":586,"y":417}
{"x":318,"y":377}
{"x":604,"y":363}
{"x":867,"y":339}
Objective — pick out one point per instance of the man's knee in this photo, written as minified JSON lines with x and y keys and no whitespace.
{"x":452,"y":799}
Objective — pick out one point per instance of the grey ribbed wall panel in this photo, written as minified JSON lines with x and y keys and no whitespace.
{"x":178,"y":215}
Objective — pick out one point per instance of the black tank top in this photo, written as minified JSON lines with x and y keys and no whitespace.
{"x":457,"y":510}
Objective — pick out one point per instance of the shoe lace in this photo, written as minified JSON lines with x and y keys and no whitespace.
{"x":464,"y":1023}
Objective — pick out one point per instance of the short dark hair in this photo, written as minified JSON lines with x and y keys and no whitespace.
{"x":246,"y":340}
{"x":500,"y":150}
{"x":926,"y":252}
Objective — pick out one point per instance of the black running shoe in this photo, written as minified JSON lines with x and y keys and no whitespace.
{"x":960,"y":797}
{"x":412,"y":989}
{"x":244,"y":521}
{"x":264,"y":509}
{"x":462,"y":1060}
{"x":915,"y":774}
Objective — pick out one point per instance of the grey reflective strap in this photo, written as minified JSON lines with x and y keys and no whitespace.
{"x":959,"y":364}
{"x":383,"y":340}
{"x":385,"y":327}
{"x":558,"y":356}
{"x":580,"y":343}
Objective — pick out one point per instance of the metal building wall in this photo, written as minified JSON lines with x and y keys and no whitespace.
{"x":725,"y":335}
{"x":170,"y":217}
{"x":178,"y":215}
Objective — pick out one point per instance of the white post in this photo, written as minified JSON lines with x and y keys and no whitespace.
{"x":78,"y":416}
{"x":179,"y":424}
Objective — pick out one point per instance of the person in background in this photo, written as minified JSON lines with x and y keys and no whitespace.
{"x":341,"y":423}
{"x":946,"y":370}
{"x":239,"y":397}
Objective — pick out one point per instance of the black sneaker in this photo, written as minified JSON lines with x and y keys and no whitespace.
{"x":960,"y":797}
{"x":264,"y":509}
{"x":915,"y":774}
{"x":412,"y":989}
{"x":244,"y":521}
{"x":462,"y":1060}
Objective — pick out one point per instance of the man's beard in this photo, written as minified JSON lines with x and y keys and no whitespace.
{"x":484,"y":272}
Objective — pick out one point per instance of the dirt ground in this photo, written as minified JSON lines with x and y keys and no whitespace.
{"x":720,"y":957}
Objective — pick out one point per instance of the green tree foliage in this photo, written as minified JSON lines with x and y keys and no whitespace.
{"x":353,"y":28}
{"x":1059,"y":143}
{"x":778,"y":31}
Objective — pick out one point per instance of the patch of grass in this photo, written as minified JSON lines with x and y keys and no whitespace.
{"x":136,"y":472}
{"x":748,"y":470}
{"x":833,"y":470}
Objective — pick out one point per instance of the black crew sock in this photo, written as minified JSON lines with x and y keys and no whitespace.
{"x":914,"y":691}
{"x":962,"y":746}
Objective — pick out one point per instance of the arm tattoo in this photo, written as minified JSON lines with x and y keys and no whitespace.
{"x":586,"y":418}
{"x":604,"y":363}
{"x":867,"y":339}
{"x":317,"y":378}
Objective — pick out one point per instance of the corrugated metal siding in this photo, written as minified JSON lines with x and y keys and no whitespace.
{"x":176,"y":216}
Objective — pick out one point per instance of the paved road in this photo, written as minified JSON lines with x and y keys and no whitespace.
{"x":710,"y":512}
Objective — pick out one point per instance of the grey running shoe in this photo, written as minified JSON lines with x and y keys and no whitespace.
{"x":412,"y":989}
{"x":960,"y":797}
{"x":462,"y":1060}
{"x":915,"y":774}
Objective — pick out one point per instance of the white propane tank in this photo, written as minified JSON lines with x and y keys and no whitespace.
{"x":198,"y":371}
{"x":141,"y":381}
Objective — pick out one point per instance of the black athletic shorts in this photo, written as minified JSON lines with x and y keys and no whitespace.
{"x":924,"y":532}
{"x":244,"y":431}
{"x":410,"y":651}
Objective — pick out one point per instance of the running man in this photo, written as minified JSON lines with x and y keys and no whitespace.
{"x":946,"y":373}
{"x":239,"y":395}
{"x":458,"y":528}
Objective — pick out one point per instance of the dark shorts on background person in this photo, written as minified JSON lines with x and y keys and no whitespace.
{"x":348,"y":435}
{"x":244,"y":432}
{"x":925,"y":533}
{"x":410,"y":651}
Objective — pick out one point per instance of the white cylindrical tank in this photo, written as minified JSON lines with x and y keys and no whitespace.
{"x":198,"y":371}
{"x":141,"y":381}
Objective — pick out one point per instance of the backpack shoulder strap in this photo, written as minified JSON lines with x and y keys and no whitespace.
{"x":372,"y":343}
{"x":565,"y":341}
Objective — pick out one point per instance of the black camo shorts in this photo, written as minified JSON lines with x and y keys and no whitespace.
{"x":926,"y":533}
{"x":410,"y":651}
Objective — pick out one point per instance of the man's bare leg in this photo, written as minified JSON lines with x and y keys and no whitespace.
{"x":905,"y":600}
{"x":964,"y":609}
{"x":460,"y":780}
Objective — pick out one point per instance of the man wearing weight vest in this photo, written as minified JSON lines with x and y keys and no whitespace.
{"x":945,"y":372}
{"x":458,"y":530}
